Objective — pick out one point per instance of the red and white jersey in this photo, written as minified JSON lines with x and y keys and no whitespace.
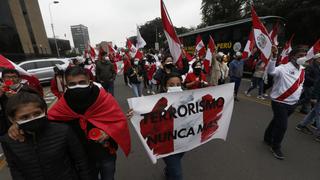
{"x":288,"y":81}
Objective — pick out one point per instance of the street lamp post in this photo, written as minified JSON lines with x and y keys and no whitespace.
{"x":54,"y":36}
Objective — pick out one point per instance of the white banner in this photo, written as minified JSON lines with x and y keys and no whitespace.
{"x":171,"y":123}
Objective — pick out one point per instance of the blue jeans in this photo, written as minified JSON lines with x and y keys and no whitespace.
{"x":106,"y":168}
{"x":173,"y":169}
{"x":237,"y":82}
{"x":257,"y":82}
{"x":137,"y":89}
{"x":314,"y":115}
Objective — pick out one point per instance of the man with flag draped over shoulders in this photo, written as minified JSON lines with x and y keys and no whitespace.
{"x":288,"y":81}
{"x":97,"y":119}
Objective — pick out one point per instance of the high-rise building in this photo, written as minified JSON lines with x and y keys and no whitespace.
{"x":80,"y":36}
{"x":22,"y":32}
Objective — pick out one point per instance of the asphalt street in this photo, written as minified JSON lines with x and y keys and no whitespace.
{"x":242,"y":156}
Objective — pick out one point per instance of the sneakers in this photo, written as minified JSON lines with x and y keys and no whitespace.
{"x":265,"y":95}
{"x":148,"y":91}
{"x":277,"y":153}
{"x":247,"y":94}
{"x":261,"y":97}
{"x":317,"y":138}
{"x":304,"y":129}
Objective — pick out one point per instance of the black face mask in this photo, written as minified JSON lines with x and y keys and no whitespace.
{"x":79,"y":95}
{"x":197,"y":71}
{"x":169,"y":66}
{"x":35,"y":125}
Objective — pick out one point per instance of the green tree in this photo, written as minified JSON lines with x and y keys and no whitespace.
{"x":216,"y":11}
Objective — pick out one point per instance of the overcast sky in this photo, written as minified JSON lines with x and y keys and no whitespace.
{"x":114,"y":20}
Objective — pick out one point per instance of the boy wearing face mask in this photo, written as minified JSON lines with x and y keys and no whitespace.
{"x":197,"y":79}
{"x":91,"y":111}
{"x":288,"y":81}
{"x":50,"y":151}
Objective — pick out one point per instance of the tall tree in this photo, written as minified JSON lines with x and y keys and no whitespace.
{"x":216,"y":11}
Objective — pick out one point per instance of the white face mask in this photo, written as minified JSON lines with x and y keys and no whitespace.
{"x":136,"y":63}
{"x":79,"y":86}
{"x":301,"y":61}
{"x":28,"y":120}
{"x":89,"y":62}
{"x":174,"y":89}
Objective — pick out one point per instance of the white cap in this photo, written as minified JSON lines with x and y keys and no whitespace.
{"x":316,"y":56}
{"x":220,"y":54}
{"x":238,"y":54}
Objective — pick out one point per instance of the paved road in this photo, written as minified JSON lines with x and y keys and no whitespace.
{"x":243,"y":156}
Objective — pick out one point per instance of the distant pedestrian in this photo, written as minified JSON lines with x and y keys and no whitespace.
{"x":257,"y":80}
{"x":106,"y":74}
{"x":236,"y":72}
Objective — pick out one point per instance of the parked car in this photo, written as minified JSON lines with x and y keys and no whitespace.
{"x":43,"y":68}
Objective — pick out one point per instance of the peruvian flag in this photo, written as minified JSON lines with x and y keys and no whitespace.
{"x":262,"y":39}
{"x":140,"y":41}
{"x":200,"y":47}
{"x":274,"y":34}
{"x":111,"y":49}
{"x":315,"y":49}
{"x":92,"y":53}
{"x":172,"y":38}
{"x":211,"y":49}
{"x":134,"y":52}
{"x":284,"y":57}
{"x":249,"y":46}
{"x":32,"y":80}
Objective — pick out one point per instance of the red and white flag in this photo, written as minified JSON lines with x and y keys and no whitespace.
{"x":262,"y":39}
{"x":249,"y":46}
{"x":140,"y":41}
{"x":210,"y":50}
{"x":284,"y":57}
{"x":92,"y":53}
{"x":134,"y":52}
{"x":32,"y":80}
{"x":274,"y":34}
{"x":172,"y":38}
{"x":200,"y":47}
{"x":315,"y":49}
{"x":111,"y":49}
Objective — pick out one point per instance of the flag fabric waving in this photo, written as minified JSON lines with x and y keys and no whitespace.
{"x":313,"y":50}
{"x":92,"y":53}
{"x":284,"y":57}
{"x":140,"y":41}
{"x":262,"y":39}
{"x":111,"y":49}
{"x":274,"y":34}
{"x":249,"y":46}
{"x":172,"y":38}
{"x":200,"y":47}
{"x":210,"y":50}
{"x":134,"y":52}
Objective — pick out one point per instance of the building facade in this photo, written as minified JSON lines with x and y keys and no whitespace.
{"x":80,"y":36}
{"x":63,"y":44}
{"x":22,"y":32}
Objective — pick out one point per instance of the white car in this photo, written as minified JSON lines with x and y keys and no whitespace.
{"x":43,"y":68}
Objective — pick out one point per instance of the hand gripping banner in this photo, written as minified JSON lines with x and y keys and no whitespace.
{"x":171,"y":123}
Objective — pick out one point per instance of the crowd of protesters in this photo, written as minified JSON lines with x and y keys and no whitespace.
{"x":79,"y":136}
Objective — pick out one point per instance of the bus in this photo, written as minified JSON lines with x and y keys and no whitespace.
{"x":231,"y":36}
